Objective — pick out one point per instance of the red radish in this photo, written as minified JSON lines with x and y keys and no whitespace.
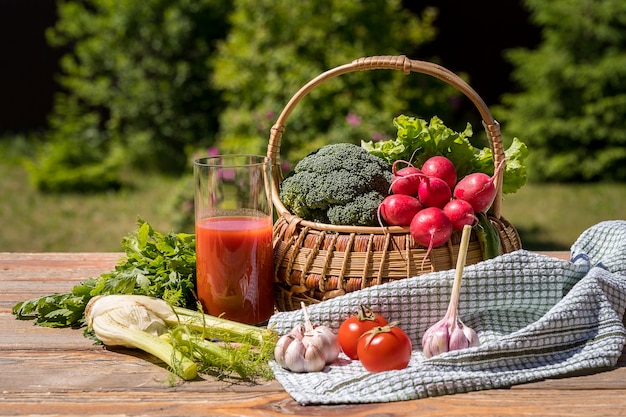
{"x":433,"y":192}
{"x":478,"y":189}
{"x":430,"y":227}
{"x":399,"y":209}
{"x":406,"y":181}
{"x":440,"y":167}
{"x":460,"y":213}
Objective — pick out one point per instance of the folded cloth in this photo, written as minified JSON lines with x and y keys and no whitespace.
{"x":537,"y":317}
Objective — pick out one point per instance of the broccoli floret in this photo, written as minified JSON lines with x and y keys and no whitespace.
{"x":337,"y":184}
{"x":361,"y":211}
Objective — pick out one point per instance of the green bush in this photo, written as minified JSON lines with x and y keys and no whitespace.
{"x":276,"y":46}
{"x":571,"y":107}
{"x":145,"y":83}
{"x":137,"y":89}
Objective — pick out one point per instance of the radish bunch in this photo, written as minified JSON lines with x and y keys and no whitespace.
{"x":433,"y":203}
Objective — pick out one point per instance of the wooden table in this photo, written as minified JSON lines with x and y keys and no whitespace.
{"x":59,"y":371}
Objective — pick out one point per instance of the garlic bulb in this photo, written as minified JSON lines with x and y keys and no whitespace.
{"x":306,"y":348}
{"x":450,"y":333}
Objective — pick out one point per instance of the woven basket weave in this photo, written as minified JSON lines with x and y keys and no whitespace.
{"x":317,"y":261}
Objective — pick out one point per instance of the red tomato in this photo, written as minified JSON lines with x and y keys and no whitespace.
{"x":352,"y":328}
{"x":384,"y":348}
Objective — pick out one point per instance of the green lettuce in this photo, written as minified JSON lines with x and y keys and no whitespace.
{"x":417,"y":140}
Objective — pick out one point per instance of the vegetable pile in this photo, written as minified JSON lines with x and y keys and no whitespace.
{"x":157,"y":312}
{"x":433,"y":204}
{"x":420,"y":140}
{"x":148,"y":302}
{"x":369,"y":338}
{"x":430,"y":179}
{"x":446,"y":182}
{"x":366,"y":337}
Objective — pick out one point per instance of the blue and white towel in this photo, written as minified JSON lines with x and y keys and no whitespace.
{"x":537,"y":317}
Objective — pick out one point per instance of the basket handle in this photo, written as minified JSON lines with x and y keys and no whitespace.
{"x":407,"y":66}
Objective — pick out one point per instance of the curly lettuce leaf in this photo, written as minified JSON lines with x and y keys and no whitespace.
{"x":515,"y":175}
{"x":417,"y":140}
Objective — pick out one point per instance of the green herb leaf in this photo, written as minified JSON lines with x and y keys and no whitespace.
{"x":515,"y":174}
{"x":418,"y":140}
{"x":158,"y":265}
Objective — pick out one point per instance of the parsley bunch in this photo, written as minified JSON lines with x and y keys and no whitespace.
{"x":156,"y":264}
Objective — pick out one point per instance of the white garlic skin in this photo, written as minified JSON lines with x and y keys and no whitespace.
{"x":447,"y":335}
{"x":472,"y":336}
{"x":325,"y":340}
{"x":314,"y":360}
{"x":306,"y":348}
{"x":294,"y":354}
{"x":280,"y":350}
{"x":435,"y":340}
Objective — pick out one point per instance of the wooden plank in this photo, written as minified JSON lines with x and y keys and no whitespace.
{"x":23,"y":334}
{"x":231,"y":402}
{"x":59,"y":371}
{"x":27,"y":275}
{"x":34,"y":259}
{"x":27,"y":339}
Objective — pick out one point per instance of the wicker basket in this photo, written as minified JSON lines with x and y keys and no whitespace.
{"x":316,"y":261}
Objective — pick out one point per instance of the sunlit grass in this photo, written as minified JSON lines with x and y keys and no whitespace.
{"x":552,"y":216}
{"x":33,"y":221}
{"x":548,"y":216}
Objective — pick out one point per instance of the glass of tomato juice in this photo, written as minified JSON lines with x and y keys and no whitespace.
{"x":234,"y":255}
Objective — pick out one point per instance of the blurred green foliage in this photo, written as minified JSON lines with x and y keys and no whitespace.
{"x":147,"y":83}
{"x":136,"y":81}
{"x":274,"y":47}
{"x":571,"y":107}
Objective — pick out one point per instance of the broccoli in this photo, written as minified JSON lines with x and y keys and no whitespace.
{"x":337,"y":184}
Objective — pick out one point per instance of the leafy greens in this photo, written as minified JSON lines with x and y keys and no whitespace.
{"x":417,"y":140}
{"x":156,"y":264}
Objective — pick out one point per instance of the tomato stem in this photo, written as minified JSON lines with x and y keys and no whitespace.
{"x":365,"y":313}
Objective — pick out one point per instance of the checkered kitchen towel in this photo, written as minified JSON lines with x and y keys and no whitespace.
{"x":537,"y":317}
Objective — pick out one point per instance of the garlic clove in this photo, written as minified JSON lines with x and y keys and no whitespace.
{"x":458,"y":340}
{"x":462,"y":337}
{"x":298,"y":331}
{"x":295,"y":357}
{"x":325,"y":340}
{"x":472,"y":336}
{"x":436,"y":339}
{"x":314,"y":358}
{"x":280,"y":348}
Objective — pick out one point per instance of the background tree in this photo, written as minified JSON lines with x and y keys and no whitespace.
{"x":571,"y":107}
{"x":145,"y":85}
{"x":136,"y":89}
{"x":275,"y":46}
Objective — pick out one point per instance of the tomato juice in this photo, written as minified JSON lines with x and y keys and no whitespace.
{"x":235,"y":267}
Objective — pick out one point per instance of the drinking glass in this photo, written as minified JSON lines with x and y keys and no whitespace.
{"x":233,"y":219}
